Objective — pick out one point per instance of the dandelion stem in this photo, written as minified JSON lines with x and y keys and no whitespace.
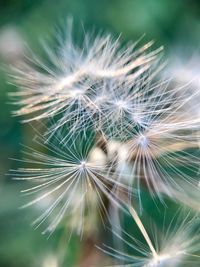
{"x":143,"y":231}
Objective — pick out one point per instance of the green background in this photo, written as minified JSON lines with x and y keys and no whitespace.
{"x":174,"y":24}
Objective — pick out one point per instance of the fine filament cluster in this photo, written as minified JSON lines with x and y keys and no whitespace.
{"x":112,"y":128}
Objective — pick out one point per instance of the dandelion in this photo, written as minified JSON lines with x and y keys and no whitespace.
{"x":160,"y":149}
{"x":177,"y":246}
{"x":73,"y":84}
{"x":115,"y":128}
{"x":73,"y":178}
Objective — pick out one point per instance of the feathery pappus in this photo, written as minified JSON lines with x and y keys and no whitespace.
{"x":161,"y":148}
{"x":115,"y":127}
{"x":71,"y":86}
{"x":174,"y":245}
{"x":73,"y":178}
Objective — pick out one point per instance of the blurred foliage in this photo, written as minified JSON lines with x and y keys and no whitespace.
{"x":175,"y":24}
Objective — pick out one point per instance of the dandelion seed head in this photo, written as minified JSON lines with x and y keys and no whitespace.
{"x":69,"y":183}
{"x":74,"y":84}
{"x":165,"y":260}
{"x":83,"y":165}
{"x":161,"y":136}
{"x":150,"y":136}
{"x":121,"y":104}
{"x":143,"y":141}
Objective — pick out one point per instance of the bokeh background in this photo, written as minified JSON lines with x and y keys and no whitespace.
{"x":174,"y":24}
